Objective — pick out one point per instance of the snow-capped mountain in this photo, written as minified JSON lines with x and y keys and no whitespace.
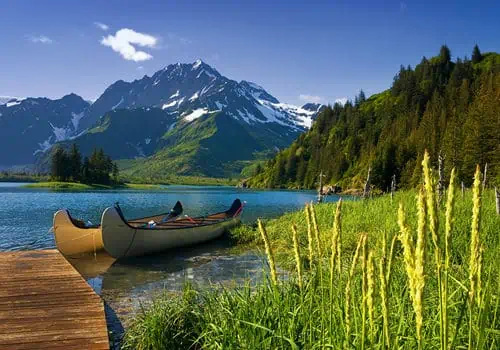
{"x":190,"y":108}
{"x":6,"y":99}
{"x":30,"y":126}
{"x":199,"y":87}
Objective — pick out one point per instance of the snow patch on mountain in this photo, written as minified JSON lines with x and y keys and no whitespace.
{"x":44,"y":146}
{"x":75,"y":119}
{"x":177,"y":93}
{"x":5,"y":99}
{"x":170,"y":104}
{"x":119,"y":103}
{"x":219,"y":105}
{"x":195,"y":96}
{"x":13,"y":103}
{"x":61,"y":134}
{"x":197,"y":113}
{"x":196,"y":64}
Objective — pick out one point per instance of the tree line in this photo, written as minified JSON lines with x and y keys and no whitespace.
{"x":451,"y":108}
{"x":96,"y":169}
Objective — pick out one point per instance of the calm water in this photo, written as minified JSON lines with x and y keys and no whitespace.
{"x":26,"y":214}
{"x":26,"y":219}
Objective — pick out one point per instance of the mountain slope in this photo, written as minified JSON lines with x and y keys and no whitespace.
{"x":32,"y":125}
{"x":196,"y":122}
{"x":184,"y":87}
{"x":441,"y":105}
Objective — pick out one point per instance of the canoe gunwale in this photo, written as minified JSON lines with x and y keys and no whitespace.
{"x":73,"y":220}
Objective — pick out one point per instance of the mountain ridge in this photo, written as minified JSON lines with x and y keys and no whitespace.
{"x":179,"y":94}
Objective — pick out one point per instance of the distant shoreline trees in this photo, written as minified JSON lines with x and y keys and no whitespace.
{"x":96,"y":169}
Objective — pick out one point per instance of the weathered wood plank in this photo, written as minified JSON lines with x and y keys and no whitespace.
{"x":46,"y":304}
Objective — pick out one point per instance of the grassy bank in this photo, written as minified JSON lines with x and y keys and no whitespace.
{"x":58,"y":185}
{"x":183,"y":180}
{"x":366,"y":279}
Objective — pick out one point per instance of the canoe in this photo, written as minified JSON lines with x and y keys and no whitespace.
{"x":74,"y":237}
{"x":123,"y":238}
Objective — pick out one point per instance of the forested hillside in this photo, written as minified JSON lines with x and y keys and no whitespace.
{"x":446,"y":106}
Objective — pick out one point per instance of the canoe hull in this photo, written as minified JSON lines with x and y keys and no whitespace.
{"x":72,"y":240}
{"x":121,"y":240}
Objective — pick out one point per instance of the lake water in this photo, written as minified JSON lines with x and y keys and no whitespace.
{"x":26,"y":221}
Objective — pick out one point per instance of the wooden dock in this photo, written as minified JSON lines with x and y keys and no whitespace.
{"x":46,"y":304}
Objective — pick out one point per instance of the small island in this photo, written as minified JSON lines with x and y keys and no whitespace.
{"x":97,"y":172}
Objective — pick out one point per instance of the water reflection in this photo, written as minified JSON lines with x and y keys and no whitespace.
{"x":128,"y":285}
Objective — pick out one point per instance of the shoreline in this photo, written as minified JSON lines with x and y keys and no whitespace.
{"x":60,"y":185}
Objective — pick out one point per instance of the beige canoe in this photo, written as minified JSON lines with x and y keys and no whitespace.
{"x":73,"y":237}
{"x":123,"y":238}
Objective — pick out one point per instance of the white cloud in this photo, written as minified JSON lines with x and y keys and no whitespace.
{"x":101,"y":26}
{"x":42,"y":39}
{"x":140,"y":68}
{"x":122,"y":42}
{"x":342,"y":100}
{"x":310,"y":98}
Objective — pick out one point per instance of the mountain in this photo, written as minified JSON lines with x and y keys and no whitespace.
{"x":188,"y":119}
{"x":182,"y":88}
{"x":448,"y":107}
{"x":5,"y":99}
{"x":31,"y":126}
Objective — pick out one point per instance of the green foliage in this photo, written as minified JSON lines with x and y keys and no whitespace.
{"x":476,"y":55}
{"x":314,"y":316}
{"x":94,"y":170}
{"x":440,"y":105}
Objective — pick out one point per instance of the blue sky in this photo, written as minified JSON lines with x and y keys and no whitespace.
{"x":299,"y":51}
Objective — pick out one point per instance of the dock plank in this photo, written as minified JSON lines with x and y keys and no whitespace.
{"x":46,"y":304}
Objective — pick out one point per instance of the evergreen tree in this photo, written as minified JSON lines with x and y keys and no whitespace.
{"x":476,"y":55}
{"x":439,"y":106}
{"x":115,"y":173}
{"x":86,"y":177}
{"x":59,"y":163}
{"x":75,"y":159}
{"x":444,"y":54}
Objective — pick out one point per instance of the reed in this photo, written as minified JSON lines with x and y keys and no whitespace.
{"x":389,"y":296}
{"x":317,"y":236}
{"x":385,"y":303}
{"x":269,"y":253}
{"x":370,"y":279}
{"x":335,"y":256}
{"x":474,"y":263}
{"x":364,"y":292}
{"x":310,"y":240}
{"x":296,"y":250}
{"x":449,"y":219}
{"x":347,"y":304}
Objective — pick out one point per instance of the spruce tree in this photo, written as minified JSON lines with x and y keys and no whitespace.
{"x":75,"y":160}
{"x":58,"y":164}
{"x":444,"y":54}
{"x":476,"y":55}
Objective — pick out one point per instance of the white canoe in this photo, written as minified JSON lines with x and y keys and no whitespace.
{"x":73,"y":237}
{"x":125,"y":239}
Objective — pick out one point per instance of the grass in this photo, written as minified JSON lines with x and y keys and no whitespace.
{"x":134,"y":186}
{"x":405,"y":273}
{"x":59,"y":185}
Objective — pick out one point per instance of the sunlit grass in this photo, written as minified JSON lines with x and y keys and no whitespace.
{"x":396,"y":285}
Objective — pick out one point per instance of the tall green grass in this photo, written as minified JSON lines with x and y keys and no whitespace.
{"x":378,"y":274}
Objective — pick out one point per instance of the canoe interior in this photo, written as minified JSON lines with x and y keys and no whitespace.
{"x":184,"y":222}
